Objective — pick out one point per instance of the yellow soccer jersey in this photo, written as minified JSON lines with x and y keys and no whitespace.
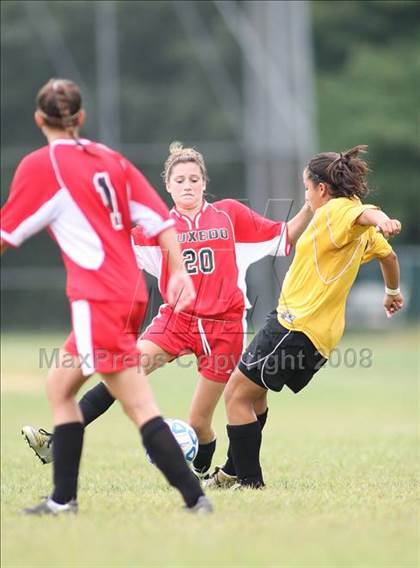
{"x":327,"y":260}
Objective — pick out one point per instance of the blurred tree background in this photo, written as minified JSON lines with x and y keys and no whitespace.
{"x":368,"y":91}
{"x":367,"y":78}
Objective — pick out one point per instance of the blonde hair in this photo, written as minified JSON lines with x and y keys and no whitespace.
{"x":178,"y":154}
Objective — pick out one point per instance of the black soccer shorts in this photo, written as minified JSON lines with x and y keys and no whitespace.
{"x":278,"y":356}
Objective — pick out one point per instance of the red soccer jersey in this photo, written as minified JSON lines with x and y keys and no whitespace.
{"x":218,"y":246}
{"x":89,"y":200}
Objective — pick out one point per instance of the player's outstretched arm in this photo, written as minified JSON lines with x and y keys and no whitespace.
{"x":393,"y":300}
{"x":375,"y":217}
{"x":298,"y":224}
{"x":180,"y":291}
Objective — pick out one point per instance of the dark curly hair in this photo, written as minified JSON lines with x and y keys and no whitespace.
{"x":344,"y":172}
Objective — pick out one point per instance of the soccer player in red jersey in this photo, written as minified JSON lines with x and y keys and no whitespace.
{"x":219,"y":241}
{"x":88,"y":197}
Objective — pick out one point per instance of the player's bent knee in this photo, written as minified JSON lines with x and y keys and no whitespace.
{"x":240,"y":390}
{"x":202,"y":428}
{"x":58,"y":393}
{"x":140,"y":411}
{"x":231,"y":395}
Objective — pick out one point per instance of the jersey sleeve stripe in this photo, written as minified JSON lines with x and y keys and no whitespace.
{"x":149,"y":258}
{"x":34,"y":223}
{"x":284,"y":247}
{"x":8,"y":238}
{"x":152,"y":222}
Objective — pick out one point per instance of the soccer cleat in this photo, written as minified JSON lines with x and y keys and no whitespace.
{"x":50,"y":507}
{"x":40,"y":441}
{"x":202,"y":507}
{"x":201,"y":476}
{"x":219,"y":480}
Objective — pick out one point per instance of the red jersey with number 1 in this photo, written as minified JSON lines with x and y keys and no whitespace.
{"x":218,"y":246}
{"x":89,"y":198}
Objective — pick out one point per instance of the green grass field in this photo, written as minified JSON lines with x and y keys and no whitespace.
{"x":340,"y":462}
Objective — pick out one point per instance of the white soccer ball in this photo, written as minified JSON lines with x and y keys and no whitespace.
{"x":185,"y":436}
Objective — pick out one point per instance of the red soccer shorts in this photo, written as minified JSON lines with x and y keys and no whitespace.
{"x":217,"y":344}
{"x":104,"y":335}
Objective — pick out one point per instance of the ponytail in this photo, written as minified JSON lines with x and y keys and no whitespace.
{"x":344,"y":173}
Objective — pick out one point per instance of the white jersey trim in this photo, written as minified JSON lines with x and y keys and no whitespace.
{"x":35,"y":222}
{"x":152,"y":222}
{"x":73,"y":232}
{"x":75,"y":235}
{"x":82,"y":329}
{"x":149,"y":258}
{"x":10,"y":240}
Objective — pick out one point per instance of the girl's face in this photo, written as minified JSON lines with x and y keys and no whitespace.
{"x":316,"y":195}
{"x":186,"y":185}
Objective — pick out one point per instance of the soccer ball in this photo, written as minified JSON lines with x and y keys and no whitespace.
{"x":185,"y":436}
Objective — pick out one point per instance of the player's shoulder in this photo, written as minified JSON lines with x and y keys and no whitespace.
{"x":39,"y":155}
{"x":104,"y":151}
{"x":343,"y":204}
{"x":229,"y":205}
{"x":36,"y":162}
{"x":100,"y":147}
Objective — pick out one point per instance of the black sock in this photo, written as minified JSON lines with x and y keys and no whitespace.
{"x":67,"y":450}
{"x":229,"y":466}
{"x":166,"y":454}
{"x":262,"y":418}
{"x":245,"y":443}
{"x":204,"y":456}
{"x":95,"y":402}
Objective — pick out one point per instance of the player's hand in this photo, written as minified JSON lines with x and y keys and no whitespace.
{"x":180,"y":291}
{"x":389,"y":228}
{"x":393,"y":304}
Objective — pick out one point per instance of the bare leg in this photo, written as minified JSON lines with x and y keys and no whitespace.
{"x":206,"y":396}
{"x":132,"y":389}
{"x":98,"y":399}
{"x":95,"y":402}
{"x":152,"y":356}
{"x":63,"y":383}
{"x":242,"y":396}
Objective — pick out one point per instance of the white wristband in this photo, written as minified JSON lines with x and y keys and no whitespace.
{"x":392,"y":292}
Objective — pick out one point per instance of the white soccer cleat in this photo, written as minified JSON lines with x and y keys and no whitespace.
{"x":219,"y":480}
{"x":50,"y":507}
{"x":40,"y":441}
